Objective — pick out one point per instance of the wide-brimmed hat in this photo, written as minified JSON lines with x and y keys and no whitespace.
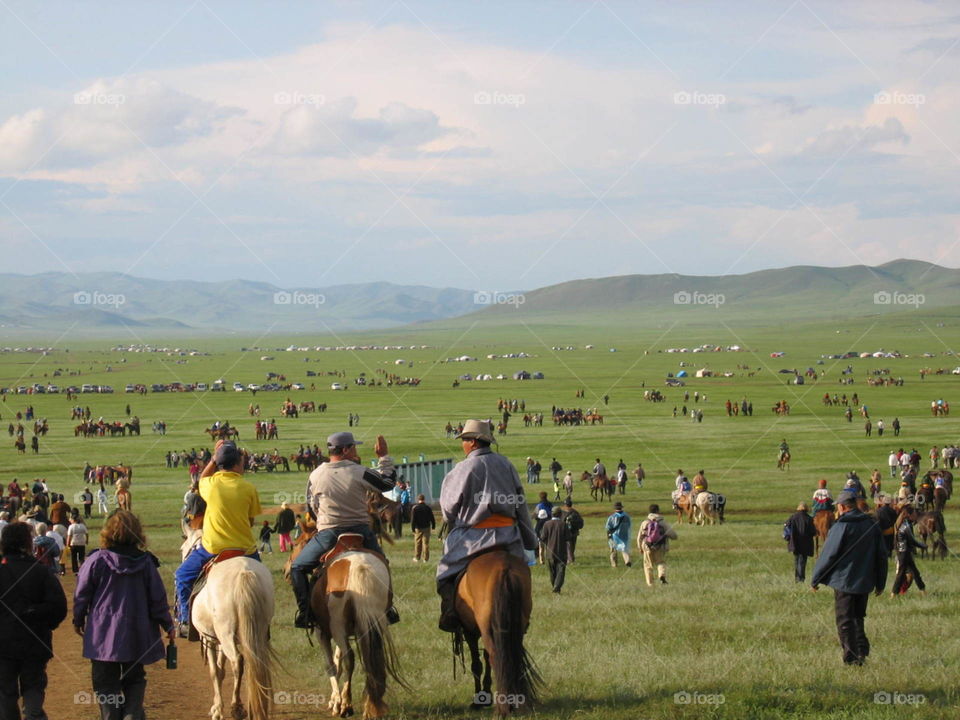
{"x":476,"y":430}
{"x":618,"y":506}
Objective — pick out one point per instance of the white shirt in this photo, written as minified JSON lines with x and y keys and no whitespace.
{"x":892,"y":460}
{"x":56,"y":536}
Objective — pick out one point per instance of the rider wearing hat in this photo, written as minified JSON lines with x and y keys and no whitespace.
{"x":232,"y":506}
{"x":822,"y":499}
{"x":337,"y":499}
{"x":483,"y":505}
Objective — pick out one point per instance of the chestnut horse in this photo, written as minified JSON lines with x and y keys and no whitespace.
{"x":822,"y":520}
{"x":494,"y":604}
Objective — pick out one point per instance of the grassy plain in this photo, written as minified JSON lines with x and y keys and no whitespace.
{"x":731,"y":629}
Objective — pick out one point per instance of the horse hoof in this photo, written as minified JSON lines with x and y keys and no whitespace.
{"x":346,"y":712}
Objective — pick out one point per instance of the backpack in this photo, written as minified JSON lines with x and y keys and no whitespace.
{"x":574,"y":522}
{"x":786,"y":531}
{"x":654,"y":534}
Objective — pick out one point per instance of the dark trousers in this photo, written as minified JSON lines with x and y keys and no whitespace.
{"x":800,"y":567}
{"x":77,"y":555}
{"x":906,"y":564}
{"x":86,"y":509}
{"x":22,"y":677}
{"x":572,"y":549}
{"x":119,"y":689}
{"x":851,"y":609}
{"x":558,"y":571}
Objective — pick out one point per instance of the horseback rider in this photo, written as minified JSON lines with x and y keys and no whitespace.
{"x":232,"y":506}
{"x":683,"y":488}
{"x":784,"y":449}
{"x":699,"y":485}
{"x":822,"y":499}
{"x":853,"y":483}
{"x":482,"y":503}
{"x":337,"y":500}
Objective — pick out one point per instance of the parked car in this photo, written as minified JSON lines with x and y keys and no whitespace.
{"x":336,"y":386}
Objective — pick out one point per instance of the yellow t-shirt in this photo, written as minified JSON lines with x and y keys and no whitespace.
{"x":232,"y":503}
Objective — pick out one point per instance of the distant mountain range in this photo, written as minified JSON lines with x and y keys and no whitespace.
{"x":108,"y":302}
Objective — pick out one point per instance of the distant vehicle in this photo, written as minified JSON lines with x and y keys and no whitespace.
{"x":336,"y":386}
{"x":297,"y":386}
{"x":38,"y":388}
{"x":53,"y":389}
{"x":218,"y":386}
{"x":253,"y":386}
{"x":956,"y":371}
{"x":202,"y":387}
{"x":129,"y":388}
{"x":106,"y":389}
{"x":238,"y":387}
{"x":87,"y":388}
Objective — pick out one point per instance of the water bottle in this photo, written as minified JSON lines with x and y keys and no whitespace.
{"x":171,"y":656}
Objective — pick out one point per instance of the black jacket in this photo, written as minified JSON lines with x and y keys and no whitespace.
{"x":854,"y":558}
{"x":422,"y":517}
{"x":286,"y":521}
{"x":906,"y":542}
{"x":32,"y":605}
{"x":802,"y":533}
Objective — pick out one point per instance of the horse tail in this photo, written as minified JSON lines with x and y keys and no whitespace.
{"x":516,"y":673}
{"x":369,"y":595}
{"x":253,"y":641}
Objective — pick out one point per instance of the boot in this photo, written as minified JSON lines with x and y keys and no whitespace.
{"x":449,"y":620}
{"x":301,"y":591}
{"x":133,"y":695}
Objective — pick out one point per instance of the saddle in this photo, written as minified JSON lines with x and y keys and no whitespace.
{"x":193,"y":635}
{"x":345,"y":542}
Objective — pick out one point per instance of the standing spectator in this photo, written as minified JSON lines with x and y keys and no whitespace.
{"x":102,"y":501}
{"x":639,"y":474}
{"x":556,"y":543}
{"x":905,"y":544}
{"x":896,"y":427}
{"x":555,"y":468}
{"x":653,"y":541}
{"x":77,"y":541}
{"x":263,"y":542}
{"x":868,"y":427}
{"x":574,"y":521}
{"x":86,"y":499}
{"x":119,"y":607}
{"x":618,"y":535}
{"x":537,"y":467}
{"x":286,"y":521}
{"x":422,"y":521}
{"x":46,"y":549}
{"x":33,"y":605}
{"x":880,"y":427}
{"x":893,"y":461}
{"x":541,"y":514}
{"x":854,"y":563}
{"x":800,"y":530}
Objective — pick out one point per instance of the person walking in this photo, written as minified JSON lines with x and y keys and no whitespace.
{"x":800,"y":534}
{"x":905,"y":545}
{"x":422,"y":521}
{"x":77,"y":542}
{"x":119,"y":608}
{"x":555,"y":538}
{"x":574,"y":521}
{"x":86,"y":499}
{"x":102,"y":501}
{"x":32,"y":606}
{"x":542,"y":512}
{"x":853,"y":562}
{"x":886,"y":519}
{"x":263,"y":540}
{"x":618,"y":535}
{"x":653,"y":541}
{"x":286,"y":521}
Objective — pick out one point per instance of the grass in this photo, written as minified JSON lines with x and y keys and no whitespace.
{"x":731,"y":625}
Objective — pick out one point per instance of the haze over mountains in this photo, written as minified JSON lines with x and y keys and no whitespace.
{"x":105,"y":302}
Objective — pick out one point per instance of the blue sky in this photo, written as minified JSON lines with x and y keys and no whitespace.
{"x":478,"y":145}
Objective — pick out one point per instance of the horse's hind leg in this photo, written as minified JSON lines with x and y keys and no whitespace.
{"x":237,"y":706}
{"x":217,"y":667}
{"x":476,"y":667}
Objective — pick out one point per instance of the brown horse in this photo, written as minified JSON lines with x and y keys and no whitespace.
{"x":924,"y":497}
{"x":494,"y":604}
{"x":230,"y":433}
{"x":783,"y":461}
{"x":684,"y":508}
{"x":939,"y":499}
{"x":929,"y":524}
{"x":822,"y":520}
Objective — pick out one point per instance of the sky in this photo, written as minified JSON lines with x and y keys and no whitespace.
{"x":497,"y":145}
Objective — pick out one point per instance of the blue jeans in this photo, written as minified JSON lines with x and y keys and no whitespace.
{"x":323,"y":542}
{"x":187,"y":574}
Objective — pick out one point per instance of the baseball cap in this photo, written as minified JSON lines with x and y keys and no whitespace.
{"x":227,"y":455}
{"x":342,"y":440}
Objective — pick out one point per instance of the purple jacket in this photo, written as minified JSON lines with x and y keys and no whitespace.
{"x":122,"y":605}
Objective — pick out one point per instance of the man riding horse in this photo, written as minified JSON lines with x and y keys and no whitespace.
{"x":232,"y":506}
{"x":337,"y":500}
{"x":784,"y":450}
{"x":483,"y":505}
{"x":683,"y":488}
{"x":822,"y":499}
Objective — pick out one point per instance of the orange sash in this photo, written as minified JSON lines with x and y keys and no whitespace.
{"x":495,"y":521}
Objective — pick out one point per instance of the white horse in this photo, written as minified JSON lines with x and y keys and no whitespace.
{"x":232,"y":613}
{"x":707,"y":508}
{"x":351,"y":601}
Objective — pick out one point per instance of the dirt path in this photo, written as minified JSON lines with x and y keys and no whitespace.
{"x":181,"y":694}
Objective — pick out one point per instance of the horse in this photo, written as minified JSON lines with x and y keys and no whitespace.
{"x":708,"y":508}
{"x":939,"y":499}
{"x":223,"y":433}
{"x":822,"y":521}
{"x":924,"y":497}
{"x":783,"y":460}
{"x":593,"y":418}
{"x":684,"y":508}
{"x":232,"y":613}
{"x":929,"y":524}
{"x":494,"y":603}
